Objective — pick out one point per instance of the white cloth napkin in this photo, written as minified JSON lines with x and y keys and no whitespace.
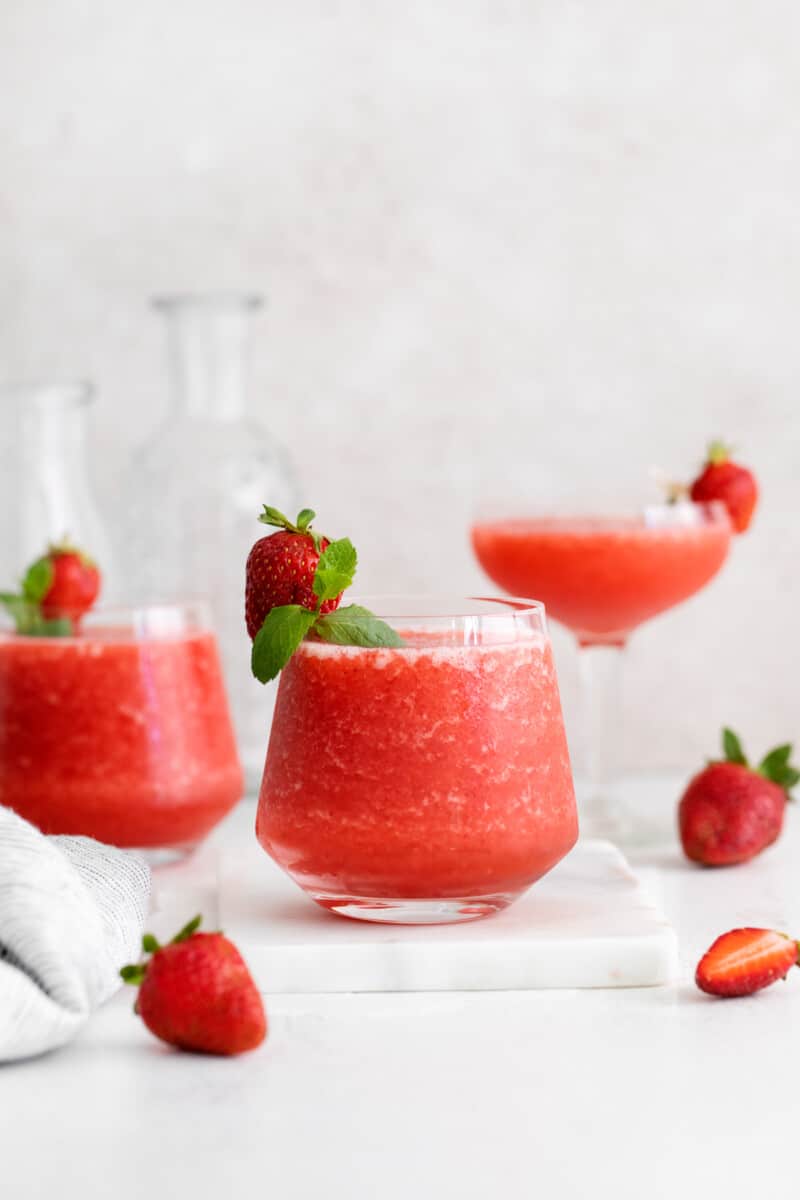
{"x":72,"y":912}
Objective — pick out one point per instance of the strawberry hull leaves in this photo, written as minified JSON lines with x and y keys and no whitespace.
{"x":774,"y":766}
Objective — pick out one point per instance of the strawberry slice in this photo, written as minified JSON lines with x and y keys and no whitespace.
{"x":743,"y":961}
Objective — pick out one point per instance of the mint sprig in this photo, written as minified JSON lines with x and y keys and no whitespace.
{"x":24,"y":607}
{"x":276,"y":641}
{"x":335,"y":570}
{"x":356,"y":626}
{"x":286,"y":626}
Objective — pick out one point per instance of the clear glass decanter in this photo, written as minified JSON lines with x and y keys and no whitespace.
{"x":197,"y":486}
{"x":45,"y":467}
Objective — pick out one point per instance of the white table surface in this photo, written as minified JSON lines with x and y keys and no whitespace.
{"x":652,"y":1092}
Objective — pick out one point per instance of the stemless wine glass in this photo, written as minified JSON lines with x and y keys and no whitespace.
{"x":601,"y":577}
{"x":424,"y":783}
{"x":121,"y":732}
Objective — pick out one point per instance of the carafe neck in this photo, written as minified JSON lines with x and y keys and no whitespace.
{"x":208,"y":343}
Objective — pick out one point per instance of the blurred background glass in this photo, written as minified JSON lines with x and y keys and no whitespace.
{"x":192,"y":495}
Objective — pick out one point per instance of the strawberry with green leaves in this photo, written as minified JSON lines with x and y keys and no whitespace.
{"x":196,"y":993}
{"x":731,"y":811}
{"x":56,"y":592}
{"x":294,"y":582}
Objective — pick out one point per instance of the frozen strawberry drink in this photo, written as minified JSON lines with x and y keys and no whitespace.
{"x":424,"y":782}
{"x":120,"y":732}
{"x":604,"y":576}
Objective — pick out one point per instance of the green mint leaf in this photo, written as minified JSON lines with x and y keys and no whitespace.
{"x":22,"y":613}
{"x":273,"y":516}
{"x":733,"y":748}
{"x":356,"y":626}
{"x":276,"y":641}
{"x":37,"y":581}
{"x":335,"y":569}
{"x":29,"y":621}
{"x":775,"y":761}
{"x":304,"y":518}
{"x":54,"y":627}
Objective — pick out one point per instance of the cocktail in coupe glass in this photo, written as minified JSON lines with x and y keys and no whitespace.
{"x":602,"y":577}
{"x":423,"y":783}
{"x":121,"y":732}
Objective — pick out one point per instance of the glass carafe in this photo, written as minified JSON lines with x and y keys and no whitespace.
{"x":47,"y":478}
{"x":198,"y":485}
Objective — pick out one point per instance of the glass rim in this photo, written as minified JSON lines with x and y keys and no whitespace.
{"x":148,"y":619}
{"x":166,"y":301}
{"x":448,"y":606}
{"x":491,"y":513}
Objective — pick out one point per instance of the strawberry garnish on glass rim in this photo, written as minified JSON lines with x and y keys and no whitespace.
{"x":744,"y":961}
{"x":294,"y":583}
{"x":723,"y":479}
{"x":56,"y":591}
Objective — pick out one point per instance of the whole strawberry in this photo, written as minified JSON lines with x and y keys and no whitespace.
{"x":743,"y":961}
{"x":74,"y":583}
{"x":731,"y":811}
{"x":280,"y":568}
{"x":722,"y":479}
{"x":197,"y":993}
{"x":57,"y":590}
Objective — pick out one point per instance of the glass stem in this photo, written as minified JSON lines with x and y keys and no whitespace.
{"x":600,"y":670}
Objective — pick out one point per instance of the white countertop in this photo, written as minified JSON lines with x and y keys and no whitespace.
{"x":651,"y":1092}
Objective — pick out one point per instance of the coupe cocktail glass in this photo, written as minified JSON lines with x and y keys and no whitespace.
{"x":121,"y":732}
{"x":602,"y":577}
{"x":425,"y":783}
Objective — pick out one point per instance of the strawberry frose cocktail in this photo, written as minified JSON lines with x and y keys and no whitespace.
{"x":423,"y":782}
{"x":119,"y":731}
{"x":417,"y":769}
{"x":604,"y":576}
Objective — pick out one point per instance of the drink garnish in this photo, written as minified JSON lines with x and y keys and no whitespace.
{"x":55,"y":592}
{"x":295,"y":579}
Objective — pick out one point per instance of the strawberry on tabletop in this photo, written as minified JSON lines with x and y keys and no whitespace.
{"x":744,"y":961}
{"x":723,"y":479}
{"x":732,"y":811}
{"x":196,"y":993}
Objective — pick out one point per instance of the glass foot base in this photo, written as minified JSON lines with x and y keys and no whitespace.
{"x":445,"y":911}
{"x":164,"y":856}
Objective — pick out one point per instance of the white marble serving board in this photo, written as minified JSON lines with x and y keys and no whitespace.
{"x":589,"y":923}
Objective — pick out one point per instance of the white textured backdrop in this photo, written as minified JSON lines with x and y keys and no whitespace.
{"x":506,"y":245}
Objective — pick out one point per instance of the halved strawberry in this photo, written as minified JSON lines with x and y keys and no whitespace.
{"x":743,"y":961}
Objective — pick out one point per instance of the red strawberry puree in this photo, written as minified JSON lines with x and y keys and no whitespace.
{"x":431,"y":772}
{"x":122,"y":738}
